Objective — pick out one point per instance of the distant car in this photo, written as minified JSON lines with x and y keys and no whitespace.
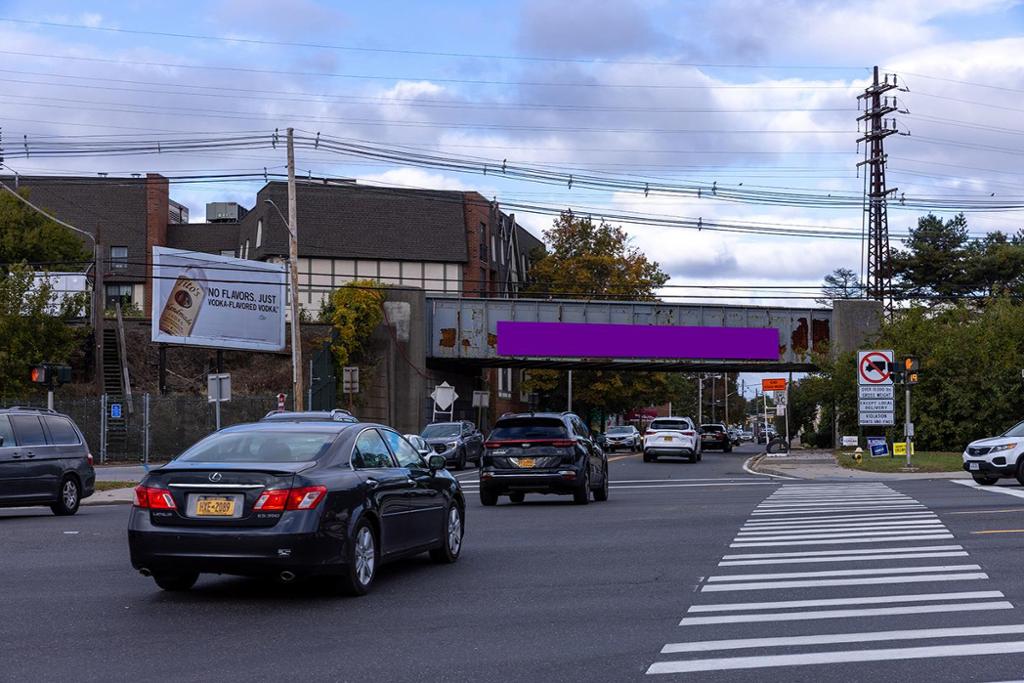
{"x":44,"y":460}
{"x":459,"y":442}
{"x":715,"y":435}
{"x":674,"y":436}
{"x":989,"y":460}
{"x":420,"y":444}
{"x":746,"y":436}
{"x":542,"y":453}
{"x":734,"y":436}
{"x":336,"y":415}
{"x":326,"y":499}
{"x":622,"y":437}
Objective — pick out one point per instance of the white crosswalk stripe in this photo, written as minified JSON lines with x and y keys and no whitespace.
{"x":812,"y":527}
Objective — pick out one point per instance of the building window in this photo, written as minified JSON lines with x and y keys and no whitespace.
{"x":483,"y":241}
{"x":119,"y":293}
{"x":504,"y":382}
{"x":494,"y":249}
{"x":259,"y":233}
{"x":118,"y":258}
{"x":524,"y":395}
{"x":246,"y":255}
{"x":227,"y":252}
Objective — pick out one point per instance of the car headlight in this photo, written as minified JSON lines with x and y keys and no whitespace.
{"x":451,"y":444}
{"x":1004,"y":447}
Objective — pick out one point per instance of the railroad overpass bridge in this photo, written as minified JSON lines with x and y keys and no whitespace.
{"x":541,"y":333}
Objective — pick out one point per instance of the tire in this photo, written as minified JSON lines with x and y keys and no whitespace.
{"x":728,"y":449}
{"x":984,"y":479}
{"x":517,"y":497}
{"x":581,"y":496}
{"x":650,"y":457}
{"x":1020,"y":472}
{"x":488,"y":498}
{"x":460,"y":464}
{"x":694,"y":457}
{"x":362,"y":561}
{"x":601,"y":494}
{"x":176,"y":582}
{"x":451,"y":539}
{"x":69,"y":497}
{"x":700,"y":455}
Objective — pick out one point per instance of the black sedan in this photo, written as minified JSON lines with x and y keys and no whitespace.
{"x":284,"y":500}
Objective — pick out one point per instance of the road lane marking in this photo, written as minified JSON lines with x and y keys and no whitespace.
{"x":839,"y":523}
{"x":888,"y":526}
{"x":786,"y":536}
{"x":772,"y":617}
{"x":857,"y":551}
{"x":821,"y":583}
{"x":1000,"y":531}
{"x":831,"y":638}
{"x":844,"y":518}
{"x":843,"y":541}
{"x":985,"y":648}
{"x":836,"y":602}
{"x":817,"y":502}
{"x":841,"y":558}
{"x":890,"y":508}
{"x":986,"y":512}
{"x":970,"y":483}
{"x":845,"y":572}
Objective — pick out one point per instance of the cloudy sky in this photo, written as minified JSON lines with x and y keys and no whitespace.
{"x":751,"y":94}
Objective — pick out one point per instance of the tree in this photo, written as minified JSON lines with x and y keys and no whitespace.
{"x":588,"y":260}
{"x":355,"y":310}
{"x":28,"y":236}
{"x":841,"y":283}
{"x":32,"y":331}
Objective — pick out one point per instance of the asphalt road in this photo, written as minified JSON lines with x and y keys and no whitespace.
{"x":551,"y":591}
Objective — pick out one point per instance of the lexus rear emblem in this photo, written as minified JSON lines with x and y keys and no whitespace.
{"x":216,"y":476}
{"x":526,"y":445}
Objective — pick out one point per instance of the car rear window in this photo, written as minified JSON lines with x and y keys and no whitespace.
{"x":62,"y":433}
{"x":670,"y":424}
{"x":620,"y":430}
{"x":529,"y":428}
{"x":29,"y":430}
{"x":260,"y":447}
{"x":713,"y":428}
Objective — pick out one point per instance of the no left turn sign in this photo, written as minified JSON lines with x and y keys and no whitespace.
{"x":873,"y":367}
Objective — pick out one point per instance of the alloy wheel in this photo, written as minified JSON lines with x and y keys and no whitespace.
{"x":366,"y":555}
{"x":454,"y":531}
{"x":70,"y":494}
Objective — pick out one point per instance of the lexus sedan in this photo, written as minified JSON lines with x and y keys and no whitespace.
{"x":289,"y":500}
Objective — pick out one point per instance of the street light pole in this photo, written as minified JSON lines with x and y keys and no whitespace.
{"x":293,"y":260}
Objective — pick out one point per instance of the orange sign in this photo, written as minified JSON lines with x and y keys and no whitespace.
{"x":774,"y":384}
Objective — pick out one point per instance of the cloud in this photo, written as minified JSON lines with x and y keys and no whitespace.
{"x":586,"y":28}
{"x":297,"y":20}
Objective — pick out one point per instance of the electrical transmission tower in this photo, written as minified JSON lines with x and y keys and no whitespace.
{"x":877,"y":129}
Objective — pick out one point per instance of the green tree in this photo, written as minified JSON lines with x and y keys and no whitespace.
{"x":33,"y":333}
{"x":27,"y":235}
{"x":841,"y":283}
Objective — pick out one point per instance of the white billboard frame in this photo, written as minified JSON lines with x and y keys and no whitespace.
{"x":240,"y":304}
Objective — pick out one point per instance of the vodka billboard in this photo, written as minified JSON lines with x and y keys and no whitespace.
{"x":217,"y":301}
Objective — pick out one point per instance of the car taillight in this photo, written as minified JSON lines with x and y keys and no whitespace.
{"x":273,"y":500}
{"x":88,"y":456}
{"x":492,"y":444}
{"x":306,"y":498}
{"x":563,"y":443}
{"x":649,"y":432}
{"x":154,"y":499}
{"x":688,"y":433}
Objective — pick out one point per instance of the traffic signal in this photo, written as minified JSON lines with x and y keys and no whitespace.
{"x":911,"y":378}
{"x":910,"y":364}
{"x":39,"y":374}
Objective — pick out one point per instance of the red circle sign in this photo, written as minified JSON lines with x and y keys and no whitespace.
{"x":869,"y":371}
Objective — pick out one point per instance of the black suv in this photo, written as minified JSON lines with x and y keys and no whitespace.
{"x":542,"y":453}
{"x":458,"y":442}
{"x":44,"y":460}
{"x":715,"y":436}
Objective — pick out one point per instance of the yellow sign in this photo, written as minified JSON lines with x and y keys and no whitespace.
{"x":900,"y":448}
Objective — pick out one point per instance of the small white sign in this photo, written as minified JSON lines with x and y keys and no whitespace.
{"x":218,"y":387}
{"x":850,"y":441}
{"x":481,"y":399}
{"x":876,"y":392}
{"x":881,"y":405}
{"x":780,"y":410}
{"x":444,"y":396}
{"x":877,"y":419}
{"x":350,"y":379}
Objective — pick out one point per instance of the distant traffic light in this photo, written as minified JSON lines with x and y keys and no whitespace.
{"x":39,"y":374}
{"x":50,"y":374}
{"x":910,"y":363}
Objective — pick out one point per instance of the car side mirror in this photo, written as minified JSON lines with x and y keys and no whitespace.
{"x":435,"y":462}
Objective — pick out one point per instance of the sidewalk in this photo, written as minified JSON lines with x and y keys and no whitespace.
{"x":122,"y":472}
{"x":111,"y":497}
{"x":822,"y":465}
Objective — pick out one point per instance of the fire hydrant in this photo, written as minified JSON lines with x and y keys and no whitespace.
{"x":858,"y":455}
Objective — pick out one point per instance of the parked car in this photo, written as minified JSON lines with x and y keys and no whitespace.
{"x":715,"y":435}
{"x":622,"y":437}
{"x":420,"y":444}
{"x":459,"y":442}
{"x":674,"y":436}
{"x":44,"y":460}
{"x":989,"y":460}
{"x":324,"y":499}
{"x":552,"y":453}
{"x":336,"y":415}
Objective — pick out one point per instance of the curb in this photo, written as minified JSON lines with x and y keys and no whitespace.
{"x":754,"y":460}
{"x":123,"y":496}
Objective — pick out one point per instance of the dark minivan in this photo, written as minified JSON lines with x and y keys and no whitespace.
{"x":44,"y":460}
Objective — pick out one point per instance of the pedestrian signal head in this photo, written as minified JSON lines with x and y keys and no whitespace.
{"x":38,"y":374}
{"x":910,"y":364}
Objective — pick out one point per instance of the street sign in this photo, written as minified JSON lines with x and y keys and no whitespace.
{"x":780,"y":410}
{"x":883,"y":405}
{"x":900,"y":448}
{"x":115,"y":411}
{"x":875,"y":367}
{"x":481,"y":399}
{"x":350,"y":379}
{"x":444,"y":396}
{"x":877,"y":419}
{"x":850,"y":441}
{"x":875,"y":391}
{"x":773,"y":384}
{"x":218,"y":387}
{"x":878,"y":446}
{"x":280,"y":401}
{"x":780,"y":397}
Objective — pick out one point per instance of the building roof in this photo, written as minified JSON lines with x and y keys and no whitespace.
{"x":212,"y":238}
{"x":361,"y":221}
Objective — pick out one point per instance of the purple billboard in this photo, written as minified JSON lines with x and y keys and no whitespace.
{"x":601,"y":340}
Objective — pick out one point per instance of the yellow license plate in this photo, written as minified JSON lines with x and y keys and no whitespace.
{"x":525,"y":462}
{"x":668,"y":438}
{"x":215,"y":507}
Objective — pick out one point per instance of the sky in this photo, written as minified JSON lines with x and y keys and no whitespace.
{"x":758,"y":95}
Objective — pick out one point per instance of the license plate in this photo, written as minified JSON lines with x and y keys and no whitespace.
{"x":974,"y":466}
{"x":668,"y":438}
{"x":525,"y":462}
{"x":215,"y":507}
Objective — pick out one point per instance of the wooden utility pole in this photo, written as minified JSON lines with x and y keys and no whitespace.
{"x":293,"y":262}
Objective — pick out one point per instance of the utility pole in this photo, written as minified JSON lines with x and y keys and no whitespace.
{"x":293,"y":260}
{"x":878,"y":271}
{"x":570,"y":392}
{"x":700,"y":399}
{"x":99,"y":296}
{"x":726,"y":377}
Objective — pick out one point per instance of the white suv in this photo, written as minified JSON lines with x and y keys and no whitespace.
{"x":990,"y":459}
{"x":671,"y":436}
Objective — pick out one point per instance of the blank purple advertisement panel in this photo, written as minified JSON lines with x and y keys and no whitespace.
{"x":601,"y":340}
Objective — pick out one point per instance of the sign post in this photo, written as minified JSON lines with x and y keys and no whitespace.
{"x":444,"y":400}
{"x":481,"y":400}
{"x":350,"y":382}
{"x":218,"y":389}
{"x":775,"y":384}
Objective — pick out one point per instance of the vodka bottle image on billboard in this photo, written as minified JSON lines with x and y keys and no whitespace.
{"x":184,"y":304}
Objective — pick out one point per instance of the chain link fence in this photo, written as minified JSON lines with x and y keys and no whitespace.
{"x":153,"y":427}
